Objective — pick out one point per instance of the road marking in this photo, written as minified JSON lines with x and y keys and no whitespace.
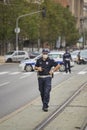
{"x":56,"y":72}
{"x":25,"y":75}
{"x":1,"y":73}
{"x":3,"y":84}
{"x":14,"y":73}
{"x":82,"y":72}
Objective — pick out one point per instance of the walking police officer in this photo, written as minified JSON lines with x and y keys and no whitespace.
{"x":67,"y":58}
{"x":45,"y":71}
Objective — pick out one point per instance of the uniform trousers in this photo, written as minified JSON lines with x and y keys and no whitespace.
{"x":67,"y":66}
{"x":45,"y":88}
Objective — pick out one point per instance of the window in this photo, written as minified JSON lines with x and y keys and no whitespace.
{"x":21,"y":53}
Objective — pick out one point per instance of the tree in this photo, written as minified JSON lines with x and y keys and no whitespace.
{"x":58,"y":22}
{"x":8,"y":22}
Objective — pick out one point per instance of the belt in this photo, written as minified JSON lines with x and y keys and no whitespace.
{"x":44,"y":76}
{"x":67,"y":59}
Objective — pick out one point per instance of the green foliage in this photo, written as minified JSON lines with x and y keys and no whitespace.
{"x":58,"y":21}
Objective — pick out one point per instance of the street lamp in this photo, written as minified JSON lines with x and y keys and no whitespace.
{"x":17,"y":29}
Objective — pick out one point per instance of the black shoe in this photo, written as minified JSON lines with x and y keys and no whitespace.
{"x":45,"y":109}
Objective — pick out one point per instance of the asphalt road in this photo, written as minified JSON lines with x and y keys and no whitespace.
{"x":19,"y":88}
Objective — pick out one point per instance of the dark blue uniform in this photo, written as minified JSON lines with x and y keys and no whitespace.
{"x":44,"y":79}
{"x":66,"y":59}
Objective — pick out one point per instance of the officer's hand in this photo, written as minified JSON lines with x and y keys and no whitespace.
{"x":51,"y":72}
{"x":39,"y":69}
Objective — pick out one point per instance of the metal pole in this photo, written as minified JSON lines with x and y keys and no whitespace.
{"x":38,"y":30}
{"x":83,"y":34}
{"x":17,"y":34}
{"x":82,"y":27}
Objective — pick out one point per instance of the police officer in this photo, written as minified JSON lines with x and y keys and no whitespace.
{"x":67,"y":58}
{"x":45,"y":71}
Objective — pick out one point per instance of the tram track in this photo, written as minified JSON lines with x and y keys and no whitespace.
{"x":61,"y":108}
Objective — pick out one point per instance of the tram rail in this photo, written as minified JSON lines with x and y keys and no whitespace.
{"x":60,"y":109}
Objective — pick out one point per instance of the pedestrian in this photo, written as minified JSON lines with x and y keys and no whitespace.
{"x":45,"y":68}
{"x":78,"y":58}
{"x":66,"y":59}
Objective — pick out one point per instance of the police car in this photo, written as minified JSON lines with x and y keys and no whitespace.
{"x":28,"y":65}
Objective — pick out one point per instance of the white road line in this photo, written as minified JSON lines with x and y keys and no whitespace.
{"x":14,"y":73}
{"x":1,"y":73}
{"x":25,"y":75}
{"x":56,"y":72}
{"x":64,"y":73}
{"x":82,"y":72}
{"x":3,"y":84}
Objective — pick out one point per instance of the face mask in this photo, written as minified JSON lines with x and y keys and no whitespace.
{"x":45,"y":56}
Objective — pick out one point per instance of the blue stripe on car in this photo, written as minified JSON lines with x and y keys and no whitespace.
{"x":30,"y":63}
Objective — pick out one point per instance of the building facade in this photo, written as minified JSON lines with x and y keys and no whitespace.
{"x":64,"y":3}
{"x":75,"y":6}
{"x":85,"y":8}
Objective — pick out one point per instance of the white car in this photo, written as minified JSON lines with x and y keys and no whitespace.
{"x":28,"y":65}
{"x":83,"y":55}
{"x":74,"y":55}
{"x":16,"y":56}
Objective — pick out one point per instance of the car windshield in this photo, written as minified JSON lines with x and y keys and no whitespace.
{"x":35,"y":53}
{"x":84,"y":53}
{"x":10,"y":53}
{"x":54,"y":56}
{"x":37,"y":57}
{"x":74,"y":52}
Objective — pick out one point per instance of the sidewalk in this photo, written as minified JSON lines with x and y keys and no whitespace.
{"x":2,"y":59}
{"x":29,"y":116}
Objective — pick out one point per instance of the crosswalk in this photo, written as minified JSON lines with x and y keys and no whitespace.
{"x":82,"y":72}
{"x":15,"y":73}
{"x":25,"y":74}
{"x":1,"y":73}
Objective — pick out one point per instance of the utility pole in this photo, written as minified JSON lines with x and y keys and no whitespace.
{"x":17,"y":29}
{"x":38,"y":42}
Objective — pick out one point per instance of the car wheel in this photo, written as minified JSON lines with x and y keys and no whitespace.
{"x":83,"y":62}
{"x":28,"y":68}
{"x":62,"y":68}
{"x":9,"y":60}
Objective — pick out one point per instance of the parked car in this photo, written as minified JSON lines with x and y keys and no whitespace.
{"x":83,"y":56}
{"x":74,"y":55}
{"x":16,"y":56}
{"x":28,"y":65}
{"x":58,"y":57}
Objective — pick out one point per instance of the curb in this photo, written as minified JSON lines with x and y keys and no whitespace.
{"x":2,"y":60}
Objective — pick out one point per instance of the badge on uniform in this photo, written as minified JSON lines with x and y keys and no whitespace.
{"x":46,"y":63}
